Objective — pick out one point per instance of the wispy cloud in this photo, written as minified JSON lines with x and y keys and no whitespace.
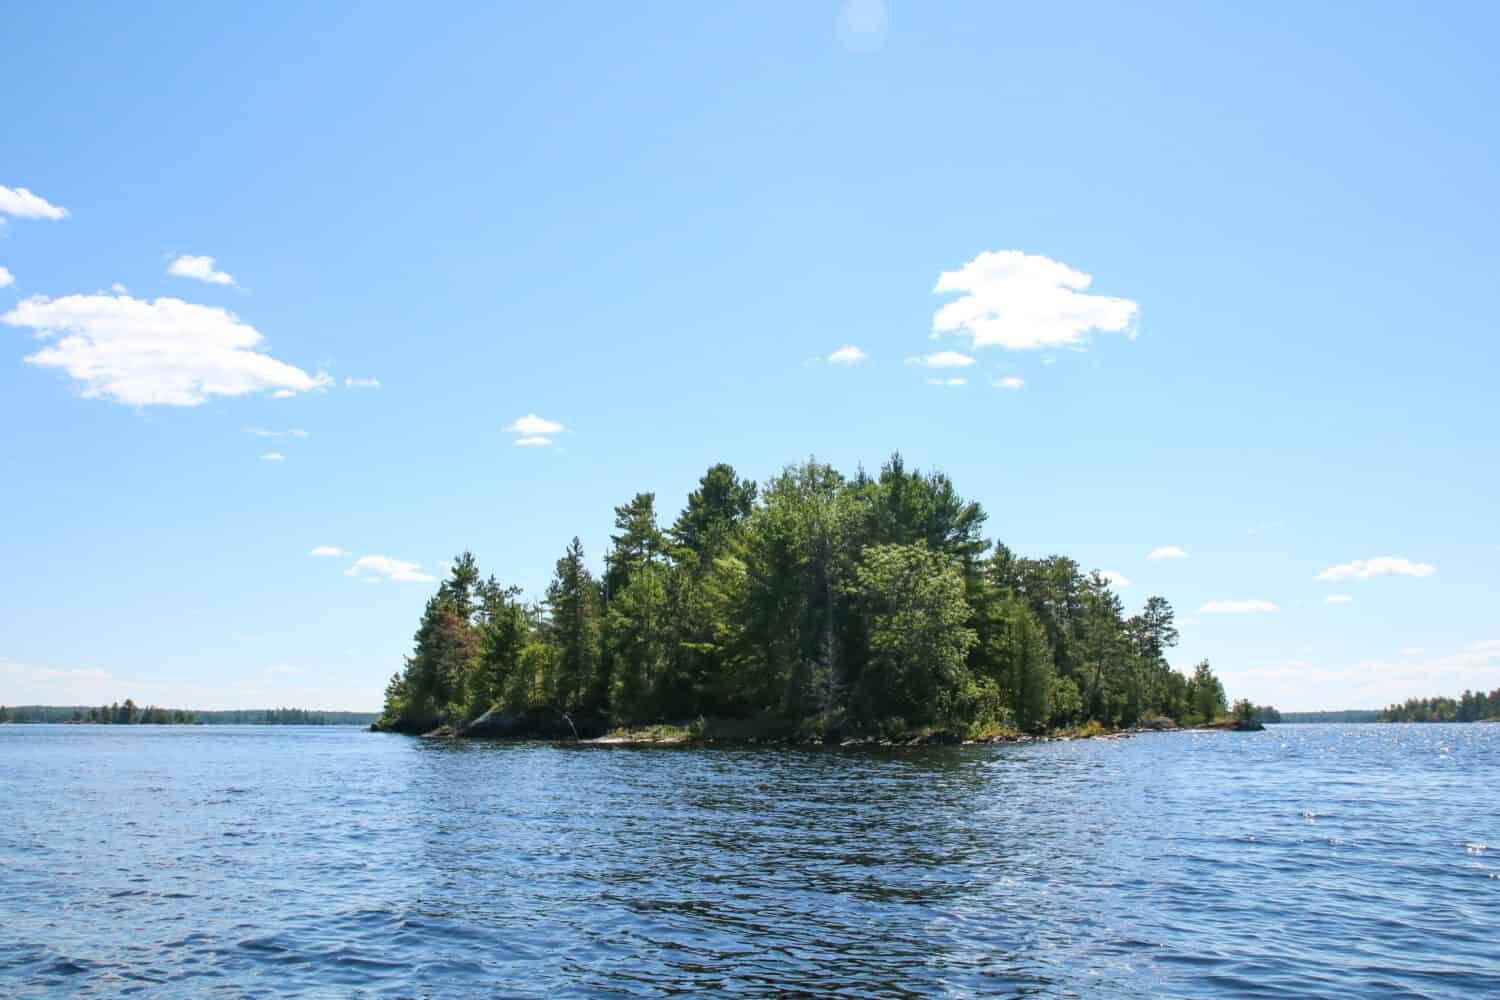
{"x":951,"y":383}
{"x":1236,"y":607}
{"x":1022,"y":301}
{"x":262,"y":432}
{"x":847,"y":355}
{"x":1365,"y":569}
{"x":327,"y":551}
{"x":942,"y":359}
{"x":377,"y":568}
{"x":22,"y":204}
{"x":532,"y":441}
{"x":354,"y":382}
{"x":1338,"y":599}
{"x":199,"y":269}
{"x":165,"y":352}
{"x":6,"y":278}
{"x":272,"y":456}
{"x":1010,"y":382}
{"x":1167,"y":552}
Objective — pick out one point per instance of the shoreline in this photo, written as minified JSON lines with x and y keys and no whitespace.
{"x":683,"y":736}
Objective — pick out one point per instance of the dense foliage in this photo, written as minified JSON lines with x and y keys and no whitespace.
{"x":817,"y":602}
{"x":1472,"y":706}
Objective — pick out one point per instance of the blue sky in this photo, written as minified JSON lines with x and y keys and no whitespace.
{"x":1227,"y":278}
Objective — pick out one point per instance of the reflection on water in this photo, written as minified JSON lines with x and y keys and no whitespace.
{"x":1303,"y":861}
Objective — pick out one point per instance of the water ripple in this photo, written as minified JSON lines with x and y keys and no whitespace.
{"x":1307,"y":861}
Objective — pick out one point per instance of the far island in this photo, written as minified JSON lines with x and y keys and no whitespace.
{"x":817,"y":607}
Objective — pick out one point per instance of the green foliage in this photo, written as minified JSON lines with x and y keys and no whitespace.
{"x":1206,"y":694}
{"x":1471,"y":706}
{"x":824,"y":603}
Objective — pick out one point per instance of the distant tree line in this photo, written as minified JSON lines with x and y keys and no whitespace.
{"x":1471,"y":706}
{"x":126,"y":713}
{"x":1342,"y":716}
{"x":129,"y":713}
{"x":285,"y":717}
{"x":820,"y":602}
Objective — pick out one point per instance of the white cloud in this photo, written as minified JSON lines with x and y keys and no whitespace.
{"x":862,"y":24}
{"x":1022,"y":301}
{"x":847,"y":355}
{"x":1167,"y":552}
{"x":942,"y":359}
{"x":166,"y":352}
{"x":1364,"y":569}
{"x":119,"y":289}
{"x":273,"y":456}
{"x":201,"y":268}
{"x":1338,"y":599}
{"x":283,"y":668}
{"x":326,"y":551}
{"x":532,"y":425}
{"x":1235,"y":607}
{"x":1010,"y":382}
{"x":22,"y":204}
{"x":1115,"y":578}
{"x":361,"y":383}
{"x":261,"y":432}
{"x":378,"y":568}
{"x":532,"y":441}
{"x":1412,"y":650}
{"x":952,"y":383}
{"x":6,"y":278}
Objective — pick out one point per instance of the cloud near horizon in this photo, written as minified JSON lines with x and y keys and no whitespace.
{"x":200,"y":269}
{"x":376,"y":568}
{"x":1366,"y":569}
{"x":1022,"y":301}
{"x":164,"y":352}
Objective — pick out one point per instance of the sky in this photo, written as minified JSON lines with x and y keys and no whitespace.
{"x":300,"y":302}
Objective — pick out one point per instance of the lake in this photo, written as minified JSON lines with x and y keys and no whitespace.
{"x":1304,"y":861}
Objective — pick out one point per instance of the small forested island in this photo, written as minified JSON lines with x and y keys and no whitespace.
{"x":816,"y":607}
{"x":1471,"y":706}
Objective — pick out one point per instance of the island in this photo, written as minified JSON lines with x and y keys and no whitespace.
{"x":815,"y":607}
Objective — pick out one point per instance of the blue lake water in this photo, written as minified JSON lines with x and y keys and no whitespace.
{"x":1305,"y":861}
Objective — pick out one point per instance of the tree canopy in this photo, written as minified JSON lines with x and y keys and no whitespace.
{"x":828,"y":603}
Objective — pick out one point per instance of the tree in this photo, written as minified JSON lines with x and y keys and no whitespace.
{"x":721,"y":504}
{"x":1205,"y":693}
{"x":918,"y":638}
{"x":574,"y":628}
